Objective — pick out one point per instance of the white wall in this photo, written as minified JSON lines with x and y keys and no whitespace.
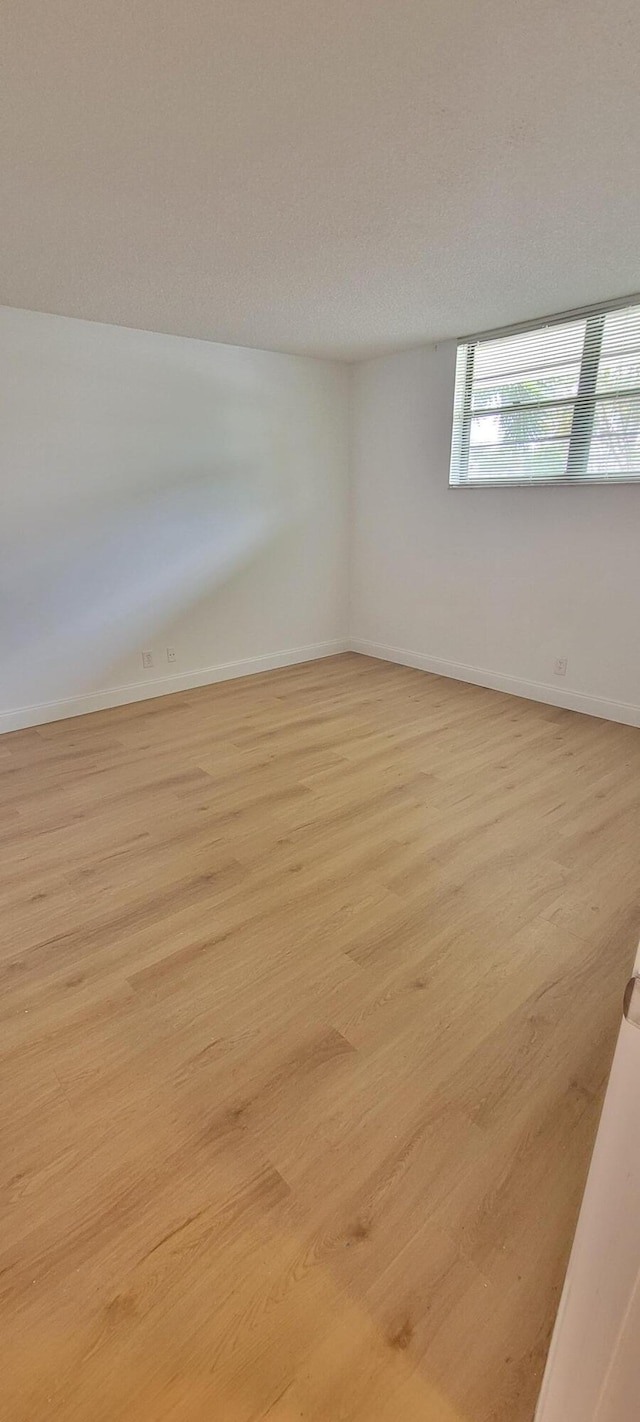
{"x":490,"y":585}
{"x":165,"y":492}
{"x":159,"y":491}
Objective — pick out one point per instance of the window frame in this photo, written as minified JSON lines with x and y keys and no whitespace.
{"x":584,"y":403}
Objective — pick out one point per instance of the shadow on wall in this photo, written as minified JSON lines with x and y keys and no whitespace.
{"x":94,"y":559}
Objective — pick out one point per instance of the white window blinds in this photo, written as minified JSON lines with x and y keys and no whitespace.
{"x":552,"y":403}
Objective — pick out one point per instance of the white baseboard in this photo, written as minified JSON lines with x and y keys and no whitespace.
{"x":37,"y":715}
{"x":623,"y":711}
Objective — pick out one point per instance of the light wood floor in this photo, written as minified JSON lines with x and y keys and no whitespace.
{"x":310,"y":986}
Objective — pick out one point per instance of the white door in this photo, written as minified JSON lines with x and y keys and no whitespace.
{"x":593,"y":1370}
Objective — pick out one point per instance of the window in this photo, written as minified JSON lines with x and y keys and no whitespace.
{"x":551,"y":403}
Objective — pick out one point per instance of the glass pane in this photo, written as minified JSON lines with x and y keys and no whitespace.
{"x":621,"y":330}
{"x":523,"y":426}
{"x":608,"y":457}
{"x":523,"y":461}
{"x":618,"y":417}
{"x":556,"y":384}
{"x":615,"y":444}
{"x":621,"y":372}
{"x":538,"y":350}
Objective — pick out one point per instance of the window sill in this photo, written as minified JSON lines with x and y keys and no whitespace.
{"x":545,"y":483}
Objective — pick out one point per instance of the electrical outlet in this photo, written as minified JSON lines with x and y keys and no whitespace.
{"x":560,"y":666}
{"x":147,"y":660}
{"x":171,"y":654}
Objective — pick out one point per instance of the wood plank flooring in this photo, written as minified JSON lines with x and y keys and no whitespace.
{"x":310,"y":986}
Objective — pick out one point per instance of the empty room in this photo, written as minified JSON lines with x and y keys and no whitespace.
{"x":320,"y":711}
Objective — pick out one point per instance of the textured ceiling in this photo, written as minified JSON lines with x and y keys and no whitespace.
{"x":333,"y":176}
